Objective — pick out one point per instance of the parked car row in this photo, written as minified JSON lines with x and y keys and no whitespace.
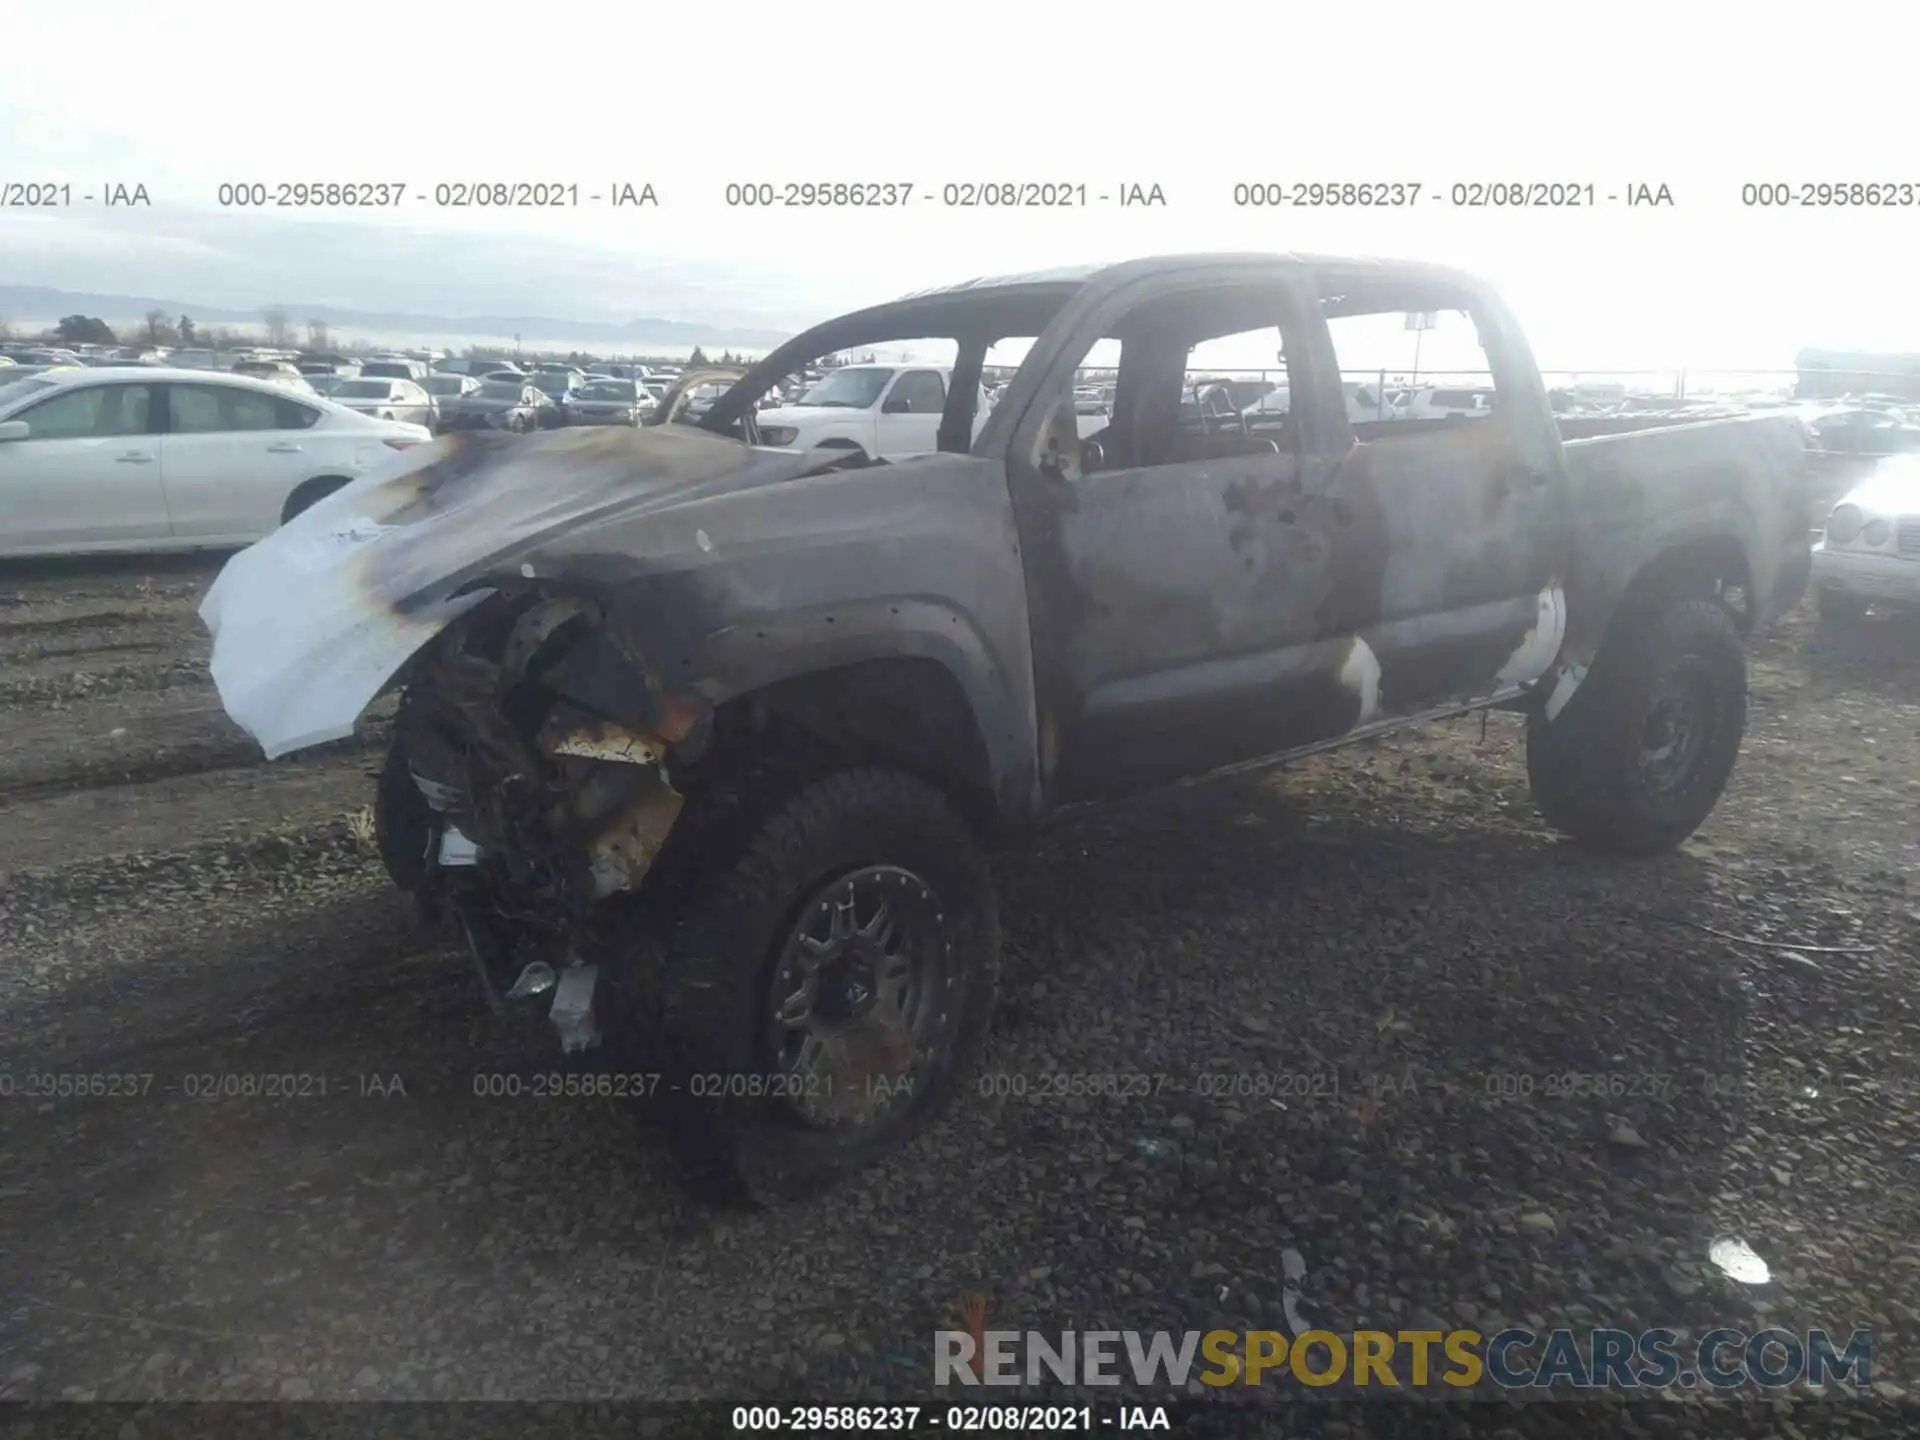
{"x":465,"y":393}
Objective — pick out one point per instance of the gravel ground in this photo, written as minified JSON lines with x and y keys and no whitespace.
{"x":1357,"y":985}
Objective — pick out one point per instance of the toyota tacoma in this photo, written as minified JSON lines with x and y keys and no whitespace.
{"x":700,"y":741}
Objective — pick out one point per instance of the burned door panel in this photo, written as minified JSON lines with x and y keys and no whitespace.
{"x":1176,"y":616}
{"x":1200,"y":642}
{"x":1467,"y":604}
{"x":1467,"y":514}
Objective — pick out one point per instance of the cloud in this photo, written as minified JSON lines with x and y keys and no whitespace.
{"x":246,"y":261}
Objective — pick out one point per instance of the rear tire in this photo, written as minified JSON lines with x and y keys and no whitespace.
{"x":746,"y":955}
{"x":1642,"y":752}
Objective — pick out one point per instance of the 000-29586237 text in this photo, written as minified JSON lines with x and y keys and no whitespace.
{"x":892,"y":194}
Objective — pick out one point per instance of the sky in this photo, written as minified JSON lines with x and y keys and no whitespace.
{"x":1701,"y":98}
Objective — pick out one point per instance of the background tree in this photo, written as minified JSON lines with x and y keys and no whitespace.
{"x":279,"y":328}
{"x":158,"y":331}
{"x":318,"y":337}
{"x":186,"y":329}
{"x":83,"y":330}
{"x":698,"y":357}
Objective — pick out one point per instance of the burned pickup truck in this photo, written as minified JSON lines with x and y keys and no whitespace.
{"x":700,"y":740}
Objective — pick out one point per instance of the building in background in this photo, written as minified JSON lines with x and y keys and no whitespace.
{"x":1830,"y":374}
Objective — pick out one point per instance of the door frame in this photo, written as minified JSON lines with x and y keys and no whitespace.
{"x":1043,"y":449}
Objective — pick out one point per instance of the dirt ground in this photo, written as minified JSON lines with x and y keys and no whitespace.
{"x":1364,"y":984}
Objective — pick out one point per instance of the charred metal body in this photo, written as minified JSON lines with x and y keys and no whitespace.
{"x":608,"y":637}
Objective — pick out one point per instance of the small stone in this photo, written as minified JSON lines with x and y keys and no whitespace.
{"x":1537,"y":1222}
{"x":832,"y":1340}
{"x":365,"y":1378}
{"x":1626,"y":1136}
{"x":24,"y":1374}
{"x":1181,"y":1124}
{"x":1681,"y":1286}
{"x":1134,"y":1222}
{"x":1254,"y":1024}
{"x":296,"y":1389}
{"x":1040,"y":1272}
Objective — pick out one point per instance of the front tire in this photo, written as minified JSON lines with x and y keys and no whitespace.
{"x":403,"y":823}
{"x":1640,"y":755}
{"x":828,"y":984}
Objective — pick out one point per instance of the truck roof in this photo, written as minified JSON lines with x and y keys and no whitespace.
{"x":1005,"y":306}
{"x":1073,"y":276}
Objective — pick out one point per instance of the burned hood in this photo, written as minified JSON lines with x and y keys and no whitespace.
{"x":311,"y":623}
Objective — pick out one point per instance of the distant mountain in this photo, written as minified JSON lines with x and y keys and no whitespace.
{"x":31,"y":302}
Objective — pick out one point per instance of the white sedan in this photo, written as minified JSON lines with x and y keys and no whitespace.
{"x":145,"y":459}
{"x":1870,"y":553}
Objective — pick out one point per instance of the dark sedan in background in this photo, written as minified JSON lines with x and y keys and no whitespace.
{"x":560,"y":386}
{"x":499,"y":405}
{"x":609,"y":402}
{"x":1864,"y":430}
{"x":449,"y":389}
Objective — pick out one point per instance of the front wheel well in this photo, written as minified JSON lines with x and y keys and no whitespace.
{"x":909,"y":713}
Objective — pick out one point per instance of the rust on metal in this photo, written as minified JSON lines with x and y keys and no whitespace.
{"x":603,"y":740}
{"x":620,"y":856}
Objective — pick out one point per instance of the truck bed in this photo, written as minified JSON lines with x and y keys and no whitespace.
{"x":1746,"y":475}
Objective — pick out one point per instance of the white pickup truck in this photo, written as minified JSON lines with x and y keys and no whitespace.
{"x":885,"y":412}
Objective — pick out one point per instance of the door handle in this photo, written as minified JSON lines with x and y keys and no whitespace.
{"x":283,"y":449}
{"x":135,"y":457}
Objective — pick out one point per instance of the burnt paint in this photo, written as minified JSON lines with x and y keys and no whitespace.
{"x":720,"y":568}
{"x":740,"y":568}
{"x":1639,"y":492}
{"x":1215,"y":603}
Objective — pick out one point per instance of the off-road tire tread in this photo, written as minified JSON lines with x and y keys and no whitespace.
{"x":716,"y":961}
{"x":1581,"y":765}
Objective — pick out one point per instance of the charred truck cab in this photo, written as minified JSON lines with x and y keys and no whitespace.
{"x":700,"y":742}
